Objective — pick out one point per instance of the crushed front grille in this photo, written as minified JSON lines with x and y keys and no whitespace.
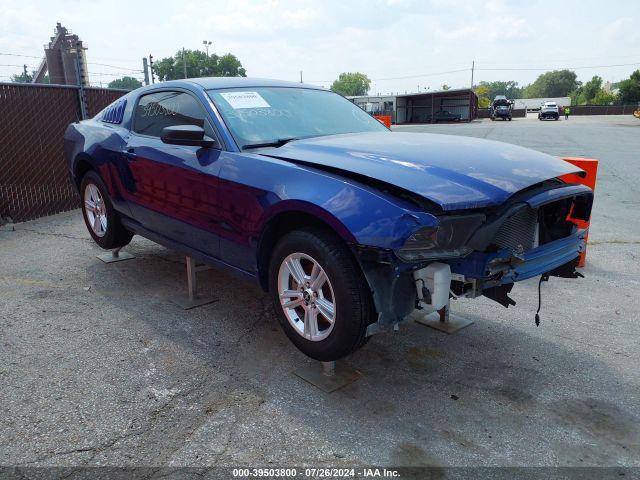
{"x":518,"y":232}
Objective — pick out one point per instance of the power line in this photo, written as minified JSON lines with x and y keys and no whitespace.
{"x":13,"y":65}
{"x":421,"y":75}
{"x":18,"y":55}
{"x":89,"y":63}
{"x":555,"y":68}
{"x":114,"y":66}
{"x":572,"y":59}
{"x":110,"y":74}
{"x":432,"y":74}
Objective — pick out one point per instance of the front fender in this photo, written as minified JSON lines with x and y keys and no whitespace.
{"x":256,"y":189}
{"x":360,"y":214}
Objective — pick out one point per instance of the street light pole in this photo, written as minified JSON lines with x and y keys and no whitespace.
{"x":206,"y":44}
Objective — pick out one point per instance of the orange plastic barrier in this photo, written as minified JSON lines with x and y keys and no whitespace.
{"x":386,"y":119}
{"x":589,"y":165}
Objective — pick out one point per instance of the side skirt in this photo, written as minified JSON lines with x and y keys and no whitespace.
{"x":138,"y":229}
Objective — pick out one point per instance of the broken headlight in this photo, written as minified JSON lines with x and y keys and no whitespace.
{"x":446,"y":240}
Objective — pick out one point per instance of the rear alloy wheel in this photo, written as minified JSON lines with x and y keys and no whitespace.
{"x":95,"y":210}
{"x":322,"y":300}
{"x":100,"y":217}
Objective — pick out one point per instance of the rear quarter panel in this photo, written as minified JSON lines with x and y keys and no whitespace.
{"x":100,"y":144}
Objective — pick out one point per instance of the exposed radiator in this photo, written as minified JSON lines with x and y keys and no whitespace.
{"x":518,"y":232}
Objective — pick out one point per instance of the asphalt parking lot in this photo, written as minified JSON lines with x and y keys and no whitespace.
{"x":98,"y":367}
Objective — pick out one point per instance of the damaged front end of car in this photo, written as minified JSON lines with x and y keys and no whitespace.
{"x":474,"y":253}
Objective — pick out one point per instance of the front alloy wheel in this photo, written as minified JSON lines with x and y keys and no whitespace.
{"x":306,"y":296}
{"x":320,"y":295}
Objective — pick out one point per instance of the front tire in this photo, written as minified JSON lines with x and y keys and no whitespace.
{"x":321,"y":298}
{"x":101,"y":219}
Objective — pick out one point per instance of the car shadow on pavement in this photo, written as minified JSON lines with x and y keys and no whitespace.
{"x":492,"y":394}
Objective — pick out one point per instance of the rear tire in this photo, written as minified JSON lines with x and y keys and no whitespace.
{"x":101,"y":219}
{"x":344,"y":295}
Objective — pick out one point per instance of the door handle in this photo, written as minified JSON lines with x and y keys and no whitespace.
{"x":130,"y":154}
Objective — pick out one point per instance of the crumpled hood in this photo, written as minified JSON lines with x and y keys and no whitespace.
{"x":453,"y":171}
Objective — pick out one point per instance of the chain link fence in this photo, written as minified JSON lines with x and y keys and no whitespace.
{"x":34,"y":179}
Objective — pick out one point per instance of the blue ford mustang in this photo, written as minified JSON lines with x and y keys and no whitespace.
{"x":348,"y":225}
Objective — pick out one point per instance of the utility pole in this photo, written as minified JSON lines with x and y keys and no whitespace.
{"x":153,"y":79}
{"x":184,"y":63}
{"x":300,"y":76}
{"x":81,"y":92}
{"x":473,"y":65}
{"x":145,"y":67}
{"x":25,"y":72}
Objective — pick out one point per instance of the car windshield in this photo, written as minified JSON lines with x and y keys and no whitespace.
{"x":262,"y":116}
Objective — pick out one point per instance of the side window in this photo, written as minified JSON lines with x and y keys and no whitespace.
{"x":165,"y":109}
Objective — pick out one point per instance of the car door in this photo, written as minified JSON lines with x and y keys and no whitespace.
{"x":174,"y":188}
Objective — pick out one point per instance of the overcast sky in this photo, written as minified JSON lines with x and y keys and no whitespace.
{"x":385,"y":39}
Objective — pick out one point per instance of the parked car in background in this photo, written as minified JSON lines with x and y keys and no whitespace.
{"x":501,"y":108}
{"x":446,"y":116}
{"x":345,"y":223}
{"x":549,"y":110}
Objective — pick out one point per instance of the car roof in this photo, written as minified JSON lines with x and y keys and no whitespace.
{"x":212,"y":83}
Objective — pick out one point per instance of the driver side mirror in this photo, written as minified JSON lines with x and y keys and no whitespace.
{"x":186,"y":135}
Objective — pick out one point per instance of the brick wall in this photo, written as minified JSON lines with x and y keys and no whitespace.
{"x":33,"y":175}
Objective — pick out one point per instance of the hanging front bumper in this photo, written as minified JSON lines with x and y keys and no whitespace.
{"x":504,"y":267}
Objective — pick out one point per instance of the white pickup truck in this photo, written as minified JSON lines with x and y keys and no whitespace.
{"x":549,"y":110}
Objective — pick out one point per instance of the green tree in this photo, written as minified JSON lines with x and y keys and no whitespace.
{"x":24,"y":77}
{"x":602,"y":97}
{"x":230,"y":66}
{"x":198,"y":64}
{"x":630,"y":89}
{"x":558,"y":83}
{"x":27,"y":78}
{"x":585,"y":94}
{"x":510,"y":89}
{"x":482,"y":91}
{"x":591,"y":88}
{"x":351,"y":84}
{"x":446,"y":87}
{"x":125,"y":83}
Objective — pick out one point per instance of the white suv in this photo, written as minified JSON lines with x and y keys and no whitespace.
{"x":549,"y":110}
